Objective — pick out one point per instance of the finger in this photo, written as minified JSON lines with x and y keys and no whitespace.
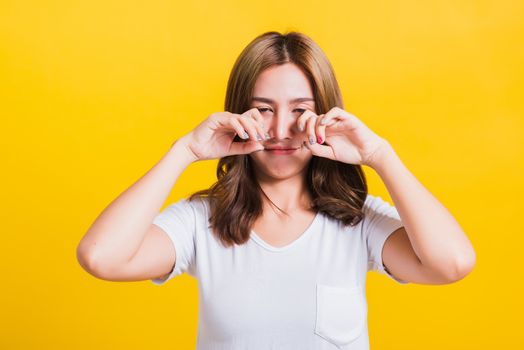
{"x":320,"y":130}
{"x":245,"y":147}
{"x":310,"y":127}
{"x":259,"y":124}
{"x":249,"y":125}
{"x":228,"y":121}
{"x":239,"y":128}
{"x":255,"y":113}
{"x":325,"y":122}
{"x":330,"y":120}
{"x":337,"y":113}
{"x":320,"y":150}
{"x":302,"y":119}
{"x":303,"y":122}
{"x":252,"y":120}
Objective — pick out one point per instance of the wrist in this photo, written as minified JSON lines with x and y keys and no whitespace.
{"x":381,"y":156}
{"x":181,"y":147}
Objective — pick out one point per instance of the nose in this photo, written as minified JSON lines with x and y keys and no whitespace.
{"x":283,"y":125}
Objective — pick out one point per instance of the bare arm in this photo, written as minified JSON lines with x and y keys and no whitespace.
{"x":119,"y":231}
{"x":432,"y":248}
{"x":123,"y":244}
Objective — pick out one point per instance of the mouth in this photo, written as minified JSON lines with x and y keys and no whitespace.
{"x":280,"y":151}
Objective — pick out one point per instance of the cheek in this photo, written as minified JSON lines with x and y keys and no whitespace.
{"x":266,"y":119}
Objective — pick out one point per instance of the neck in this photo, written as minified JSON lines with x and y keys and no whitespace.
{"x":288,"y":194}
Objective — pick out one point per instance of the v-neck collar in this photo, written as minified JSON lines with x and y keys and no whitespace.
{"x":254,"y":236}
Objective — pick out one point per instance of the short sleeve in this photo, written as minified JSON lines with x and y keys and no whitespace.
{"x":381,"y":220}
{"x":178,"y":221}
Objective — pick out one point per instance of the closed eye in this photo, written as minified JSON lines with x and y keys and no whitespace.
{"x":264,"y":109}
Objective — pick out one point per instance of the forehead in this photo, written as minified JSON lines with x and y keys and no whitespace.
{"x":283,"y":83}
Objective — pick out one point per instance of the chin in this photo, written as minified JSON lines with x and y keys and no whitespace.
{"x":280,"y":167}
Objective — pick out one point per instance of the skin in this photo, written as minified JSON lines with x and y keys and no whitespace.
{"x":430,"y":248}
{"x":282,"y":177}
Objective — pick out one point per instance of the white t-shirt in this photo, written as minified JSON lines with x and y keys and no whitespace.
{"x":309,"y":294}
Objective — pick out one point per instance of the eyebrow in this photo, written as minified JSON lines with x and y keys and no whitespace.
{"x":268,"y":100}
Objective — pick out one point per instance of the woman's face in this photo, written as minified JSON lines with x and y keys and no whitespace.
{"x":281,"y":94}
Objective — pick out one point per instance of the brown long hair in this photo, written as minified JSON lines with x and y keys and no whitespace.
{"x":337,"y":189}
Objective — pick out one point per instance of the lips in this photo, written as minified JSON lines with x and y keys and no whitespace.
{"x":280,"y":151}
{"x":280,"y":148}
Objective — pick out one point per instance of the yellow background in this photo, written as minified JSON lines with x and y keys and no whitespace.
{"x":94,"y":92}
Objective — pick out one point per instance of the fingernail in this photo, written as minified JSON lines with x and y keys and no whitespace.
{"x":300,"y":127}
{"x":323,"y":121}
{"x":319,"y":139}
{"x":246,"y":136}
{"x":267,"y":136}
{"x":259,"y":138}
{"x":311,"y":140}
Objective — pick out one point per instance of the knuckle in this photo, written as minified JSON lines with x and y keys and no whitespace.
{"x":333,"y":110}
{"x":242,"y":119}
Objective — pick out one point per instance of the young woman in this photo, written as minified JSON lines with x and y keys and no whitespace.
{"x":281,"y":243}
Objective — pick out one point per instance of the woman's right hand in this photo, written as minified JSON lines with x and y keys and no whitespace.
{"x":214,"y":137}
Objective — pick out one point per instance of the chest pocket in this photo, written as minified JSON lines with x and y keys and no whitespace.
{"x":341,"y":313}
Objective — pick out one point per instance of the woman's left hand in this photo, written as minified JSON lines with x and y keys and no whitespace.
{"x":344,"y":137}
